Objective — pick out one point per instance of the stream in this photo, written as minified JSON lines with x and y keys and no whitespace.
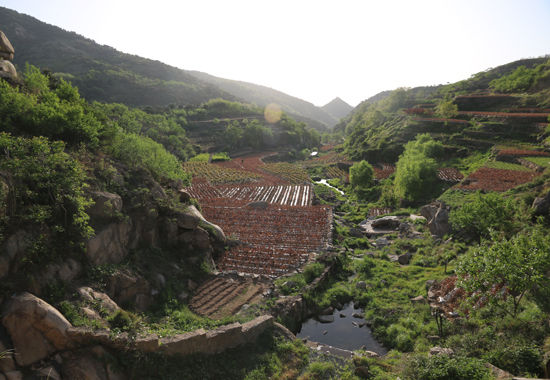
{"x":343,"y":332}
{"x":324,"y":182}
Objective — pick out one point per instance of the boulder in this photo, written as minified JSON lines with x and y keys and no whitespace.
{"x":185,"y":197}
{"x":541,"y":205}
{"x":93,"y":296}
{"x":386,"y":223}
{"x":437,"y":215}
{"x":105,"y":204}
{"x":126,"y":287}
{"x":110,"y":246}
{"x":6,"y":49}
{"x":190,"y":219}
{"x":8,"y":71}
{"x":35,"y":327}
{"x":404,"y":258}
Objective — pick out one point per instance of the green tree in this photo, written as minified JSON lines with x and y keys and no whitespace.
{"x":361,"y":175}
{"x":416,"y":169}
{"x":501,"y":272}
{"x":446,"y":109}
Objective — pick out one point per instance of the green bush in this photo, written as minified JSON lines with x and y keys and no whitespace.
{"x":486,"y":212}
{"x":140,"y":151}
{"x":442,"y":367}
{"x":361,"y":175}
{"x":517,"y":359}
{"x":312,"y":271}
{"x":45,"y":188}
{"x":416,"y":169}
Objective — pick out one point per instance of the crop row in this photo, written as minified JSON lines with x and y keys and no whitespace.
{"x":523,"y":115}
{"x":272,"y":241}
{"x":449,"y":174}
{"x":441,"y":120}
{"x":290,"y":195}
{"x":522,"y":152}
{"x":294,"y":174}
{"x":491,"y":179}
{"x":216,"y":174}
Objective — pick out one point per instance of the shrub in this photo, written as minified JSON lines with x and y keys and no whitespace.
{"x":361,"y":175}
{"x":312,"y":271}
{"x":442,"y":367}
{"x":487,"y":212}
{"x":517,"y":359}
{"x":141,"y":151}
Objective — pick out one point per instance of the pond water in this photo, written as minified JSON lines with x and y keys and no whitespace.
{"x":342,"y":332}
{"x":324,"y":182}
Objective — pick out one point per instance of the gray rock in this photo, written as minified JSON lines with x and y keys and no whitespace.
{"x":358,"y":315}
{"x":386,"y":223}
{"x":8,"y":71}
{"x":382,"y":242}
{"x":362,"y":285}
{"x":110,"y":246}
{"x":37,"y":329}
{"x":404,"y":258}
{"x":105,"y":204}
{"x":325,"y":318}
{"x":6,"y":49}
{"x":437,"y":215}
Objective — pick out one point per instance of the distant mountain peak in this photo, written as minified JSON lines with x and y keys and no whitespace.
{"x":337,"y":108}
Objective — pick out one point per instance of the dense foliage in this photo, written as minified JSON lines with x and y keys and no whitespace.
{"x":501,"y":271}
{"x":486,"y":213}
{"x":416,"y":169}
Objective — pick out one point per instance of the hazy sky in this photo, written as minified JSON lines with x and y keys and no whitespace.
{"x":315,"y":50}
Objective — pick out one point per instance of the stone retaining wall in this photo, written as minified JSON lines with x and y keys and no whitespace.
{"x":194,"y":342}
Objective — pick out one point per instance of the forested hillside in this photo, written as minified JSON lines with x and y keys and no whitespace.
{"x":104,"y":74}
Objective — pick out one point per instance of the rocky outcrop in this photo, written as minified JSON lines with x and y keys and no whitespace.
{"x":7,"y":70}
{"x":36,"y":328}
{"x":6,"y":50}
{"x":105,"y":302}
{"x":110,"y":246}
{"x":128,"y":288}
{"x":437,"y":215}
{"x":105,"y":205}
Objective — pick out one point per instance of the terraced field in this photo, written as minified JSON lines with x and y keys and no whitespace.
{"x":221,"y":296}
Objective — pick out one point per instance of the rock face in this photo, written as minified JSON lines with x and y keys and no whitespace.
{"x":35,"y":327}
{"x":110,"y":246}
{"x":437,"y":215}
{"x":106,"y":204}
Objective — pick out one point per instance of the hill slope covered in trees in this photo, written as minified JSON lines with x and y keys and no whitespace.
{"x":105,"y":74}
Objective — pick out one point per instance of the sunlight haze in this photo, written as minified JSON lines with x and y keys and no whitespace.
{"x":314,"y":50}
